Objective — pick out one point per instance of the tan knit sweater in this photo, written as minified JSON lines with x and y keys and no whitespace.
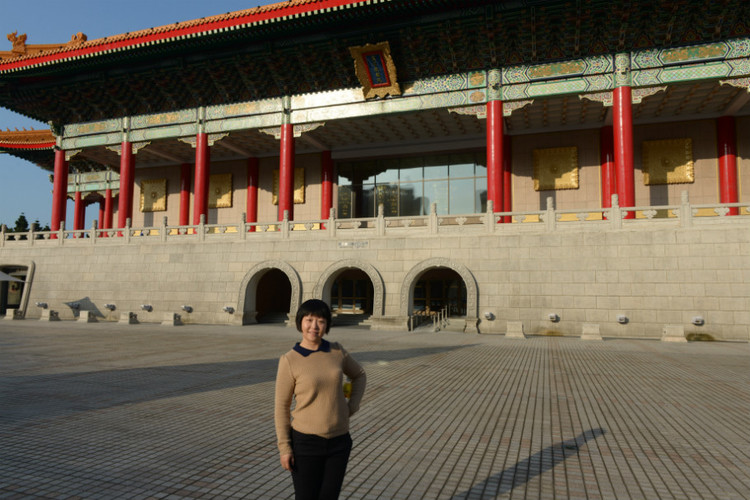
{"x":315,"y":381}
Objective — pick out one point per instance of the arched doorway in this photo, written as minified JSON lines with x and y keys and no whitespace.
{"x":351,"y":297}
{"x":15,"y":283}
{"x":273,"y":296}
{"x":271,"y":292}
{"x":440,"y":284}
{"x":440,"y":289}
{"x":354,"y":289}
{"x":352,"y":293}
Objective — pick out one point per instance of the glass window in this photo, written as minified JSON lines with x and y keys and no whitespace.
{"x":436,"y":167}
{"x":462,"y":196}
{"x":368,"y":202}
{"x":410,"y":197}
{"x":480,"y":196}
{"x":407,"y":186}
{"x":411,"y":169}
{"x":366,"y":171}
{"x":461,"y":165}
{"x":436,"y":192}
{"x":388,"y":197}
{"x":387,"y":176}
{"x":345,"y":173}
{"x":345,"y":202}
{"x":481,"y":169}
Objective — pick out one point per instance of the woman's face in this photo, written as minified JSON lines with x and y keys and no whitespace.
{"x":313,"y":329}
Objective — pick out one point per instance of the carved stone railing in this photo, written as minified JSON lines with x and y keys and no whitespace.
{"x":548,"y":220}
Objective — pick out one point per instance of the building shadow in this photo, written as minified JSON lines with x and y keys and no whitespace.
{"x":526,"y":470}
{"x":28,"y":398}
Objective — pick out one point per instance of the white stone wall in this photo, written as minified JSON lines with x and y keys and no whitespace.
{"x":655,"y":273}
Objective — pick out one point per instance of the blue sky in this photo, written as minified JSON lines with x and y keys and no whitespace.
{"x":24,"y":187}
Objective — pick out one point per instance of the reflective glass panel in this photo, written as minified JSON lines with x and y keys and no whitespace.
{"x":461,"y":165}
{"x":389,"y":175}
{"x":480,"y":196}
{"x":368,"y":201}
{"x":411,"y":169}
{"x":345,"y":202}
{"x":388,"y":197}
{"x":436,"y":192}
{"x":436,"y":167}
{"x":462,"y":196}
{"x":411,"y":198}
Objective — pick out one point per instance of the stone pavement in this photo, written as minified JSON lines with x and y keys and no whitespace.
{"x":112,"y":411}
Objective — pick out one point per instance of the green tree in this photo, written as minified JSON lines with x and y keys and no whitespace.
{"x":22,"y":225}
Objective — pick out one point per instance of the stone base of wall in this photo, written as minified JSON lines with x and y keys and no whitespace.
{"x":631,"y":282}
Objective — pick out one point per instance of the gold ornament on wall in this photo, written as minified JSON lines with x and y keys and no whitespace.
{"x":668,"y":161}
{"x":154,"y":195}
{"x":220,"y":191}
{"x":299,"y":186}
{"x":556,"y":168}
{"x":375,"y":69}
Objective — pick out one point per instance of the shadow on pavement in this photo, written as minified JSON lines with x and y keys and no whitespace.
{"x":525,"y":470}
{"x":38,"y":397}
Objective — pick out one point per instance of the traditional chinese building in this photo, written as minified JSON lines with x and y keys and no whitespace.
{"x":492,"y":166}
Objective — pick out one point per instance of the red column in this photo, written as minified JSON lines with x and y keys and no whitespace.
{"x":127,"y":179}
{"x":101,"y":213}
{"x":507,"y":178}
{"x":185,"y":194}
{"x":59,"y":190}
{"x":107,"y":219}
{"x":326,"y":184}
{"x":252,"y":191}
{"x":607,"y":161}
{"x":495,"y":154}
{"x":202,"y":166}
{"x":286,"y":172}
{"x":78,"y":216}
{"x":623,"y":144}
{"x":726,"y":145}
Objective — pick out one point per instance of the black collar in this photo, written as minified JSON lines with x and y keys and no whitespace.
{"x":325,"y":346}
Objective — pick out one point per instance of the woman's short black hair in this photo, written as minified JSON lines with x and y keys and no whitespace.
{"x":314,"y":307}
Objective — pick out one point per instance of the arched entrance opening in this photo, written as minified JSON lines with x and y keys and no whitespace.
{"x":273,"y":297}
{"x":352,"y":294}
{"x":440,"y":289}
{"x":14,"y":289}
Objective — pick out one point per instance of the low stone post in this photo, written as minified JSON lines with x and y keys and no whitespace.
{"x":514,"y":330}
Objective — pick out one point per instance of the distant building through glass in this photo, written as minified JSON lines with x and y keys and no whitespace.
{"x":457,"y":183}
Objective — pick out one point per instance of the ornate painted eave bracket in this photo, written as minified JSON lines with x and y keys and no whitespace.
{"x":94,"y":182}
{"x":594,"y":78}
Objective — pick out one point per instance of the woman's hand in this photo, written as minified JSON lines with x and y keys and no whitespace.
{"x":287,"y":462}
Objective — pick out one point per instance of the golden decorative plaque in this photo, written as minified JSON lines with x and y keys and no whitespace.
{"x":556,"y":168}
{"x":668,"y":161}
{"x":299,"y":186}
{"x":154,"y":195}
{"x":220,"y":191}
{"x":375,"y":69}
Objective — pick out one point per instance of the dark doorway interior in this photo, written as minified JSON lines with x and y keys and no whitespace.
{"x":273,"y":297}
{"x":440,"y":288}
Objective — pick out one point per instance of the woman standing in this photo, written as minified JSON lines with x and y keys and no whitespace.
{"x":313,"y":440}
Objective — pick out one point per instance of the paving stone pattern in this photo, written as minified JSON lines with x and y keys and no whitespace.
{"x":109,"y":411}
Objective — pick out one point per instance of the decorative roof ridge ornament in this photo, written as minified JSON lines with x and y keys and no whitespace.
{"x":21,"y":49}
{"x":375,"y":70}
{"x":255,"y":16}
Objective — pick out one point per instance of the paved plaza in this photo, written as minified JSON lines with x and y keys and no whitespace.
{"x":111,"y":411}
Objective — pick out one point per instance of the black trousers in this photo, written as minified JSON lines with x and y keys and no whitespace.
{"x":319,"y":465}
